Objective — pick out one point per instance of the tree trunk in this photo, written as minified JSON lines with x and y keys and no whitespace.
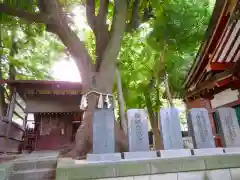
{"x":2,"y":97}
{"x":156,"y":132}
{"x":153,"y":122}
{"x":168,"y":92}
{"x":102,"y":80}
{"x":85,"y":132}
{"x":121,"y":103}
{"x":12,"y":70}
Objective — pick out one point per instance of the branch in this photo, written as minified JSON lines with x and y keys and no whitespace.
{"x":102,"y":33}
{"x":103,"y":11}
{"x":135,"y":17}
{"x":21,"y":13}
{"x":109,"y":56}
{"x":69,"y":38}
{"x":90,"y":10}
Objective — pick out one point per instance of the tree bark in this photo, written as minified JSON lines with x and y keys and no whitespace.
{"x":153,"y":121}
{"x":168,"y":92}
{"x":121,"y":103}
{"x":156,"y":132}
{"x":12,"y":70}
{"x":2,"y":97}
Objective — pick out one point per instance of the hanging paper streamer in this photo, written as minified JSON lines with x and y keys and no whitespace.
{"x":100,"y":102}
{"x":107,"y":100}
{"x":84,"y":103}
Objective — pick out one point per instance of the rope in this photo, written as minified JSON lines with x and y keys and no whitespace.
{"x":97,"y":92}
{"x":100,"y":104}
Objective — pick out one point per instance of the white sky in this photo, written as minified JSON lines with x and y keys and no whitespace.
{"x":64,"y":69}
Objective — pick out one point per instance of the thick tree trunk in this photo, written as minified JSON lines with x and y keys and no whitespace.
{"x":103,"y":79}
{"x":85,"y":132}
{"x":121,"y":102}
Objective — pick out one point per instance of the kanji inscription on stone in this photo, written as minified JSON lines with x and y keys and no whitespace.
{"x":138,"y":130}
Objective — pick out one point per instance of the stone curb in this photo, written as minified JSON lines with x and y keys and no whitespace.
{"x":67,"y":169}
{"x":5,"y":170}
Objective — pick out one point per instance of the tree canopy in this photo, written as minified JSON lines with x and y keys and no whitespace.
{"x":161,"y":48}
{"x":28,"y":48}
{"x":166,"y":44}
{"x":152,"y":42}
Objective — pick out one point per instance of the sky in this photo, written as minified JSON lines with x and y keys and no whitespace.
{"x":71,"y":72}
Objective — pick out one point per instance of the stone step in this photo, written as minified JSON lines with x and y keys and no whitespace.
{"x":35,"y":174}
{"x":35,"y":164}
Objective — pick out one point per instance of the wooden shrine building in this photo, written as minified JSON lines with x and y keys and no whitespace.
{"x":41,"y":115}
{"x":214,"y":78}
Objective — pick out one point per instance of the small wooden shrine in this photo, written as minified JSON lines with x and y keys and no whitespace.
{"x":214,"y":79}
{"x":54,"y":110}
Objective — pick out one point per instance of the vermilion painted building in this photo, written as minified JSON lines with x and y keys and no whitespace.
{"x":214,"y":78}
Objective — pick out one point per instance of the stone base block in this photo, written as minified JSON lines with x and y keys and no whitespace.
{"x":175,"y":153}
{"x":235,"y":173}
{"x":5,"y":170}
{"x":216,"y":167}
{"x":194,"y":175}
{"x":221,"y":174}
{"x":232,"y":150}
{"x":104,"y":157}
{"x":35,"y":174}
{"x":28,"y":165}
{"x":140,"y":155}
{"x":208,"y":151}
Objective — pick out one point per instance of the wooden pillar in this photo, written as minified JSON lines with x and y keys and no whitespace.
{"x":9,"y":116}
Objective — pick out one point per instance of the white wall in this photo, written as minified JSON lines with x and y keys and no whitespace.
{"x":224,"y":97}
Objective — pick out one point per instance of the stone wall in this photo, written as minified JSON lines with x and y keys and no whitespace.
{"x":201,"y":166}
{"x":221,"y":174}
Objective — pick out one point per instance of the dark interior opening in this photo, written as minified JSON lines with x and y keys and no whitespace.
{"x":75,"y":126}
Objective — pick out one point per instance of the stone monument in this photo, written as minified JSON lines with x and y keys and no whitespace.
{"x":103,"y":131}
{"x":170,"y":129}
{"x":138,"y":136}
{"x":201,"y":130}
{"x":229,"y":127}
{"x":138,"y":130}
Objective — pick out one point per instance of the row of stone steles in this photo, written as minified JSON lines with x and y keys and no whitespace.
{"x":169,"y":124}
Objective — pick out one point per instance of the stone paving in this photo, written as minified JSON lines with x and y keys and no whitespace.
{"x":35,"y":166}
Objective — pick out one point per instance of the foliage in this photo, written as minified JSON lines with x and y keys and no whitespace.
{"x":137,"y":60}
{"x":177,"y":33}
{"x":28,"y":48}
{"x":178,"y":27}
